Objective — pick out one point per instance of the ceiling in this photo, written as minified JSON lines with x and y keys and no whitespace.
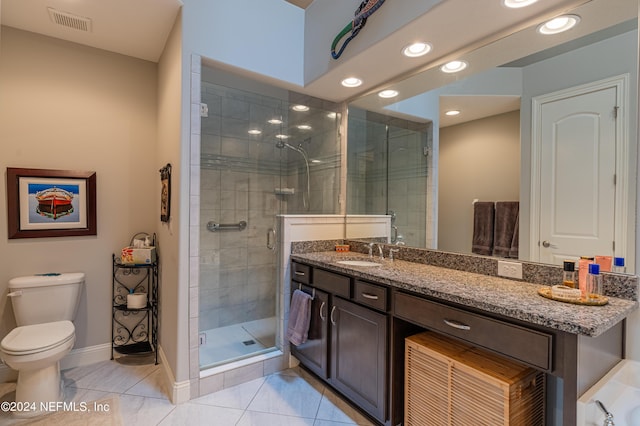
{"x":140,"y":29}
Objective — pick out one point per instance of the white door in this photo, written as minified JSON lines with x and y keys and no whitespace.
{"x":577,"y":176}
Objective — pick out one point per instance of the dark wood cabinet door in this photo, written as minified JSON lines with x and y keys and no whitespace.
{"x":359,"y":355}
{"x":313,"y":354}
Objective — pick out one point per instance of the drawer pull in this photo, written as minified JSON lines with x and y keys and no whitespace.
{"x":333,"y":309}
{"x":457,"y":324}
{"x":322,"y":317}
{"x":369,"y":296}
{"x":300,"y":274}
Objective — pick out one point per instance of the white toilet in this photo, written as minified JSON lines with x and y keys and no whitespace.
{"x":44,"y":306}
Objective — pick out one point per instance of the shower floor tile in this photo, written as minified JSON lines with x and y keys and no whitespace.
{"x":237,"y":341}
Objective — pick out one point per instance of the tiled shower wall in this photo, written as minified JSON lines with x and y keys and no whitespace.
{"x":237,"y":181}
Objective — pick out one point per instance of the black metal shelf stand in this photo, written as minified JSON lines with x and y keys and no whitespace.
{"x":134,"y":331}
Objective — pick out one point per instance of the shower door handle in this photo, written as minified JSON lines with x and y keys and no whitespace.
{"x":271,"y":244}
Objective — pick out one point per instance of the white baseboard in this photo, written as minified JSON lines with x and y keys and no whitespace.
{"x":75,"y":358}
{"x":179,"y":392}
{"x":85,"y":356}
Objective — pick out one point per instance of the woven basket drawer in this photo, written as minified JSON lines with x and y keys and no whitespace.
{"x":450,"y":383}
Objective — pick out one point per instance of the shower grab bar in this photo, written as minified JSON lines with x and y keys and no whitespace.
{"x":313,"y":293}
{"x":213,"y":227}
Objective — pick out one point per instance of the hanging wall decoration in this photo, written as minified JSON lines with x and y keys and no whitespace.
{"x":366,"y":9}
{"x":50,"y":203}
{"x":165,"y":193}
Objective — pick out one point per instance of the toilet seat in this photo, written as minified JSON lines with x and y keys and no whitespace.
{"x":32,"y":339}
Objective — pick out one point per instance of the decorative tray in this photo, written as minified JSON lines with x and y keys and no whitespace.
{"x":595,"y":300}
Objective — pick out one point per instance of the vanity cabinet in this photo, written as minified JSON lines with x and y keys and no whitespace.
{"x":349,"y":349}
{"x":359,"y":355}
{"x":314,"y":353}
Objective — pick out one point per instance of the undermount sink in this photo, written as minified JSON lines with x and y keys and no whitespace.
{"x":358,"y":263}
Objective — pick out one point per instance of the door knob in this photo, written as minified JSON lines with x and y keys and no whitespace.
{"x":546,"y":244}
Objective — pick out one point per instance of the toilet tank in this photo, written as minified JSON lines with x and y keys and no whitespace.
{"x":37,"y":299}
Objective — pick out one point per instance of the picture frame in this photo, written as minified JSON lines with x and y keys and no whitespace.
{"x":165,"y":193}
{"x":45,"y":203}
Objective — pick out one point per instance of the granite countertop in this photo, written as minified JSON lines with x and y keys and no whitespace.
{"x":509,"y":298}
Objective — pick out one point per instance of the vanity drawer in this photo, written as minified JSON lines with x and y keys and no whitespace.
{"x":300,"y":273}
{"x":371,"y":295}
{"x":332,"y":283}
{"x":529,"y":346}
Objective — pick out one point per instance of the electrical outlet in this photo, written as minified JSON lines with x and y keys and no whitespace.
{"x":510,"y":269}
{"x":204,"y":110}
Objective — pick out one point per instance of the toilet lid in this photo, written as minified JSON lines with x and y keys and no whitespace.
{"x":37,"y":337}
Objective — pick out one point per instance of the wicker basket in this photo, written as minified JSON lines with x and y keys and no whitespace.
{"x":450,"y":383}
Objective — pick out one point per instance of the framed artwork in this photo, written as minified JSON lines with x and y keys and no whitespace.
{"x":50,"y":203}
{"x":165,"y":193}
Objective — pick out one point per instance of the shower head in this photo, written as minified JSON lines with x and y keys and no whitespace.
{"x":280,"y":144}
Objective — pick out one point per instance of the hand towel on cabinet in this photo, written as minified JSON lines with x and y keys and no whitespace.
{"x":299,"y":317}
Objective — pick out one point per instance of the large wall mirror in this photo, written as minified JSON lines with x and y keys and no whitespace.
{"x":406,"y":158}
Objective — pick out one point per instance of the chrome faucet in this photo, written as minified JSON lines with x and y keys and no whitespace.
{"x":380,"y":246}
{"x":608,"y":421}
{"x":370,"y":245}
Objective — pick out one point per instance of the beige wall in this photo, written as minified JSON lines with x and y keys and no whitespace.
{"x":70,"y":107}
{"x":173,"y":92}
{"x":478,"y":160}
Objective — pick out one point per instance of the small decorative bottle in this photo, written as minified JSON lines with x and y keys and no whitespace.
{"x":618,"y":265}
{"x":569,"y":274}
{"x":583,"y":271}
{"x":594,"y":282}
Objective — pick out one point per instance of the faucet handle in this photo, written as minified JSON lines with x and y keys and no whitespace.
{"x":370,"y":245}
{"x":391,"y":251}
{"x":608,"y":421}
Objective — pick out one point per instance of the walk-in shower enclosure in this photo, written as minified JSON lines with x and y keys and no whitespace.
{"x":264,"y":152}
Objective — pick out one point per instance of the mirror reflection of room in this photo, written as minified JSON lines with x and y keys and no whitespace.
{"x":495,"y":150}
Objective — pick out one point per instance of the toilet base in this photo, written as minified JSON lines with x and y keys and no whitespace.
{"x":39,"y":389}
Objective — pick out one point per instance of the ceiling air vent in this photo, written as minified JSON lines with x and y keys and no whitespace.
{"x":70,"y":20}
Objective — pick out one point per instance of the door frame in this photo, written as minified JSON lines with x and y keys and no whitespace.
{"x":621,"y":214}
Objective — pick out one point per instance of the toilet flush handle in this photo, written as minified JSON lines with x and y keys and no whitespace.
{"x":15,"y":293}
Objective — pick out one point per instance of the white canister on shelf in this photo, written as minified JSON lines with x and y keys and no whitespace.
{"x":136,"y":300}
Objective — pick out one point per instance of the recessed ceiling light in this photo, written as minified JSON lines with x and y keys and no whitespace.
{"x":514,"y":4}
{"x":304,"y":127}
{"x":274,"y":121}
{"x":452,"y":112}
{"x":560,"y":24}
{"x":453,"y":66}
{"x":300,"y":108}
{"x":351,"y":82}
{"x":388,"y":93}
{"x":282,"y":136}
{"x":416,"y":49}
{"x":254,"y":132}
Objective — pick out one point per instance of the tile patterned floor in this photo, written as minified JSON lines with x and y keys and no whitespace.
{"x":288,"y":398}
